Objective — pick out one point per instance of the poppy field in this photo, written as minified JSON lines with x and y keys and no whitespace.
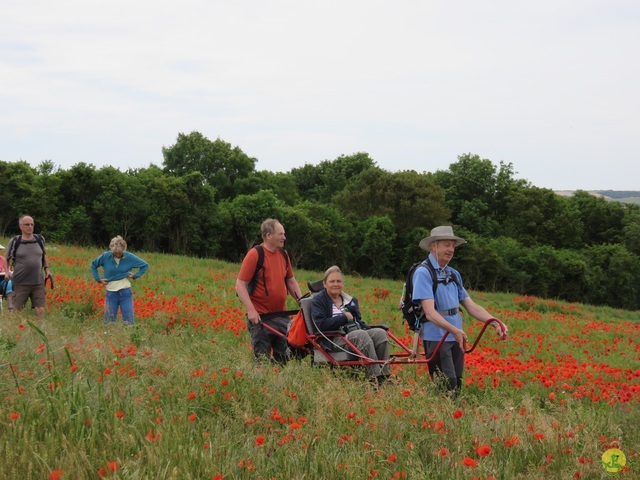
{"x":179,"y":396}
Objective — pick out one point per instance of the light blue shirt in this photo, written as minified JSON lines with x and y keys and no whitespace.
{"x":447,"y":297}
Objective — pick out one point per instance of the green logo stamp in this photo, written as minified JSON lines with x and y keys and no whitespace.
{"x":614,"y":461}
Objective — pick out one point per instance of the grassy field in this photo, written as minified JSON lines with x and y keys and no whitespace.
{"x":178,"y":395}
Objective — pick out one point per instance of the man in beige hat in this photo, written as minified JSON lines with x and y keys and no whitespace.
{"x":441,"y":306}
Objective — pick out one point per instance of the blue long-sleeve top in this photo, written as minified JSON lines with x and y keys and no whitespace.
{"x":114,"y":271}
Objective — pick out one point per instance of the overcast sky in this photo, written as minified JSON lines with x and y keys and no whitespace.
{"x":550,"y":86}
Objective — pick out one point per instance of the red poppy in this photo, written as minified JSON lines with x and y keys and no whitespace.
{"x":443,"y":452}
{"x":483,"y":450}
{"x":469,"y":462}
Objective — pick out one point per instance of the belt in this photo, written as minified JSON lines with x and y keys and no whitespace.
{"x":452,"y":311}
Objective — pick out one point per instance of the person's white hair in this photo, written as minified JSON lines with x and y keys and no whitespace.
{"x":118,"y":244}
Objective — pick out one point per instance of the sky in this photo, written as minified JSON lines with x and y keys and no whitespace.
{"x":549,"y":86}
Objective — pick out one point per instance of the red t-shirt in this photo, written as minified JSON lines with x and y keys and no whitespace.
{"x":276,"y":269}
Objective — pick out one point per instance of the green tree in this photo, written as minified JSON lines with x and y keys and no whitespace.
{"x":18,"y":195}
{"x":220,"y":164}
{"x":631,"y":229}
{"x":408,"y":198}
{"x":603,"y":221}
{"x":374,"y":247}
{"x":538,"y":216}
{"x":283,"y":185}
{"x":613,"y":276}
{"x":247,"y":212}
{"x":117,"y":203}
{"x":476,"y":192}
{"x":318,"y":236}
{"x":321,"y":182}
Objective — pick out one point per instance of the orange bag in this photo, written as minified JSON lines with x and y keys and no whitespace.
{"x":297,"y":334}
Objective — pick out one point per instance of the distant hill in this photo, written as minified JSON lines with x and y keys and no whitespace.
{"x":613,"y":195}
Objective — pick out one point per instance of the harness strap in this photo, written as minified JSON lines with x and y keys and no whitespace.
{"x":272,"y":315}
{"x":452,"y":311}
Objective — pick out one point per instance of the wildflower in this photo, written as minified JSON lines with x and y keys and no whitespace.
{"x":538,"y":436}
{"x":511,"y":441}
{"x":406,"y":393}
{"x":259,"y":440}
{"x":193,"y":417}
{"x":552,"y":396}
{"x":56,"y":475}
{"x":443,"y":452}
{"x":392,"y":458}
{"x":119,"y":414}
{"x":457,"y":414}
{"x":483,"y":450}
{"x":152,"y":437}
{"x":469,"y":462}
{"x":191,"y":396}
{"x":14,"y":416}
{"x":295,"y":426}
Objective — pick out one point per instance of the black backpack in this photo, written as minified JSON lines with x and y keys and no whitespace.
{"x":260,"y":267}
{"x":412,"y":312}
{"x":11,"y":258}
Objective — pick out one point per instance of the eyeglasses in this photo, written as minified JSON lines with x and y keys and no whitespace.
{"x":27,"y":224}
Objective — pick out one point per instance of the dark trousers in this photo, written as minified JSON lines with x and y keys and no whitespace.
{"x":268,"y":345}
{"x":449,"y":362}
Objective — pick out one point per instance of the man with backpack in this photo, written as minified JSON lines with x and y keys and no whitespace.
{"x":27,"y":255}
{"x":265,"y":278}
{"x":441,"y":302}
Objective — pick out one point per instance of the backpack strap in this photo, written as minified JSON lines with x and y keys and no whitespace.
{"x":260,"y":267}
{"x":17,"y":240}
{"x":11,"y":258}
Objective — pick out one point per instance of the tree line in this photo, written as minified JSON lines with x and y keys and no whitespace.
{"x":208,"y":200}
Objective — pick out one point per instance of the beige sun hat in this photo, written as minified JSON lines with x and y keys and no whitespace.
{"x":443,"y":232}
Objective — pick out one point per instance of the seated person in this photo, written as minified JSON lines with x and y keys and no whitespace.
{"x":332,"y":310}
{"x":5,"y":285}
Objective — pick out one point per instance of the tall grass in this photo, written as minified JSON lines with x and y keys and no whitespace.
{"x":178,"y":395}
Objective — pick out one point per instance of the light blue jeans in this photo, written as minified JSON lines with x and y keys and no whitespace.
{"x":122,"y":299}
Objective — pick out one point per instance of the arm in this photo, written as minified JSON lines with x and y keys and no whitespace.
{"x":479,"y":313}
{"x":93,"y":266}
{"x":140,"y":264}
{"x":45,"y":264}
{"x":431,"y":314}
{"x":294,"y":289}
{"x":243,"y":294}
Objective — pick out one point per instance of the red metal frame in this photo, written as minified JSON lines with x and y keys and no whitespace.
{"x":403,"y":356}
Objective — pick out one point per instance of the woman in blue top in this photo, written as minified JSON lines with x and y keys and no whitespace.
{"x":117,"y":267}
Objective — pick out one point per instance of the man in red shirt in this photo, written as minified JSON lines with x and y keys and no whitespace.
{"x":264,"y":292}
